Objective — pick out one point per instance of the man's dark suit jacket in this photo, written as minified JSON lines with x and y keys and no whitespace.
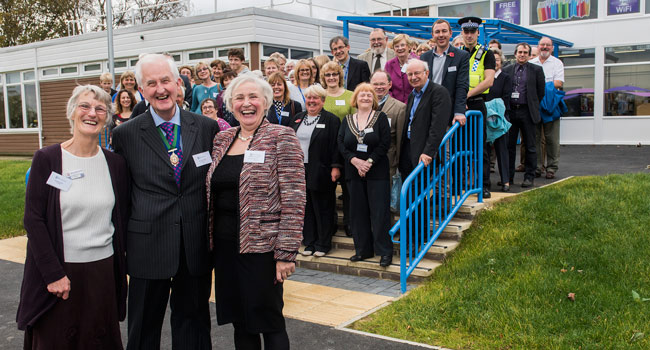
{"x":429,"y":121}
{"x":161,"y":213}
{"x":293,"y":107}
{"x":455,"y":80}
{"x":358,"y":73}
{"x":535,"y":83}
{"x":323,"y":151}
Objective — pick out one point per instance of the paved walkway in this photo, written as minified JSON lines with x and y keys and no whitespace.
{"x":315,"y":303}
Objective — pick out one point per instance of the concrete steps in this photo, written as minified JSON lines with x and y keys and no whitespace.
{"x":338,"y":259}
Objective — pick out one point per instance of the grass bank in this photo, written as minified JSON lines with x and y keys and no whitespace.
{"x":12,"y":197}
{"x":508,"y":284}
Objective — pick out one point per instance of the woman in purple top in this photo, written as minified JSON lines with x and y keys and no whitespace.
{"x":74,"y":288}
{"x":401,"y":87}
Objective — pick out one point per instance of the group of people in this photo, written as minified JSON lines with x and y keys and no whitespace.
{"x":218,"y":168}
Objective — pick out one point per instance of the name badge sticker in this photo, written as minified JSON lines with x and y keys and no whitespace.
{"x":320,"y":126}
{"x":59,"y":181}
{"x":451,"y":69}
{"x":368,"y":130}
{"x":73,"y":175}
{"x":515,"y":95}
{"x":340,"y":102}
{"x":284,"y":113}
{"x":201,"y":159}
{"x":254,"y":156}
{"x":362,"y":148}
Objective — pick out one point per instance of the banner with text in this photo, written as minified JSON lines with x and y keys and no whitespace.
{"x":508,"y":10}
{"x":621,"y":7}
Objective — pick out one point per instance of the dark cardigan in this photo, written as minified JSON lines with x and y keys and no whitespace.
{"x":44,"y":261}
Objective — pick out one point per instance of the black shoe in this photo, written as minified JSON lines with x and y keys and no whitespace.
{"x":499,"y":183}
{"x":356,"y":257}
{"x":486,"y":193}
{"x":386,"y":260}
{"x":527,"y":183}
{"x":505,"y":188}
{"x":347,"y":231}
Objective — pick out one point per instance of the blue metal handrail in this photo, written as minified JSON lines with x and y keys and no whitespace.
{"x":431,"y":196}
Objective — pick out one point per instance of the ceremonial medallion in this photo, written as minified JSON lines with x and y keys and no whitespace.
{"x":174,"y":159}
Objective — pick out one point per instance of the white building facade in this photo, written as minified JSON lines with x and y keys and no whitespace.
{"x":607,"y":71}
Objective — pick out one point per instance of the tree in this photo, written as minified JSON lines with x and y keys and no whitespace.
{"x":25,"y":21}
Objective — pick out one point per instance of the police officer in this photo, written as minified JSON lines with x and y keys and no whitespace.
{"x":481,"y":76}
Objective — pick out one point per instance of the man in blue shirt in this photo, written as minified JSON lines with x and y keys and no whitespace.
{"x":428,"y":110}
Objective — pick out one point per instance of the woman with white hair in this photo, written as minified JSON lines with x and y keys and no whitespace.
{"x":317,"y":130}
{"x":74,"y":287}
{"x":256,"y":202}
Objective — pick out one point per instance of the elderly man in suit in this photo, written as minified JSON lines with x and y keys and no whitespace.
{"x":379,"y":52}
{"x":527,"y":92}
{"x":449,"y":67}
{"x":427,"y":115}
{"x":426,"y":118}
{"x":354,"y":71}
{"x":396,"y":112}
{"x":167,"y":153}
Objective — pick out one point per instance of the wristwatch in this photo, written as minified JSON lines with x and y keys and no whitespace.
{"x":370,"y":160}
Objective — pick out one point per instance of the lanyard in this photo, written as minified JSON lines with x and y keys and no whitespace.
{"x":174,"y":145}
{"x":301,"y":94}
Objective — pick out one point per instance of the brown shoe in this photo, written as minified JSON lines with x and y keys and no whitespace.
{"x":550,"y":175}
{"x":520,"y":168}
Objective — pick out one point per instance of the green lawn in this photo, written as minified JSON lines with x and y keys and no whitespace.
{"x":12,"y":197}
{"x":506,"y":286}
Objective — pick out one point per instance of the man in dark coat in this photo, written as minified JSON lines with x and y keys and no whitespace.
{"x":527,"y":92}
{"x":355,"y":71}
{"x":167,"y":151}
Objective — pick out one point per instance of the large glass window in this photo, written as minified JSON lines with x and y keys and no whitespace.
{"x":627,"y":90}
{"x":3,"y":121}
{"x":647,"y":6}
{"x":579,"y":88}
{"x":30,"y":105}
{"x":18,"y":101}
{"x":627,"y":80}
{"x":579,"y":68}
{"x":624,"y":54}
{"x":478,"y":9}
{"x":267,"y":50}
{"x":576,"y":57}
{"x":15,"y":101}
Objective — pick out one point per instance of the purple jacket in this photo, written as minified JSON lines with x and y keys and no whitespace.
{"x":401,"y":88}
{"x":44,"y":261}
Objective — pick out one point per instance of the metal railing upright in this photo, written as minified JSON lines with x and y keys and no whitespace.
{"x":431,"y":196}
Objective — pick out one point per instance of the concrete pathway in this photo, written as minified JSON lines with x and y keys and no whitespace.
{"x":313,"y":311}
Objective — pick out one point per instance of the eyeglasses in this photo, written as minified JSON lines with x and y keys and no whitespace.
{"x":207,"y":108}
{"x":410,"y":74}
{"x":99,"y":110}
{"x":202,"y":69}
{"x":329,"y":75}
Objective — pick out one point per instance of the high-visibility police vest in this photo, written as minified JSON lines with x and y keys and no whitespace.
{"x":477,"y":68}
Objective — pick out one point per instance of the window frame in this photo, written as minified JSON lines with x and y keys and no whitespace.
{"x":3,"y":89}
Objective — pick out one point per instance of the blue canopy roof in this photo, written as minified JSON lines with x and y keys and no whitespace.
{"x":420,"y":27}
